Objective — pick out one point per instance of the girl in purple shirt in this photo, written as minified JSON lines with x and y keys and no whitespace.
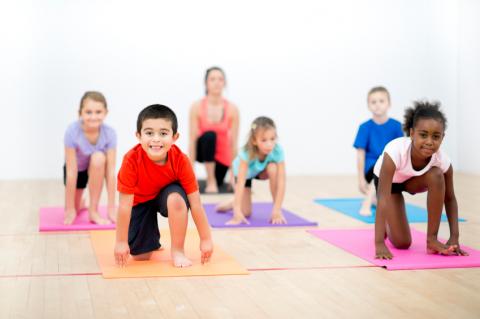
{"x":90,"y":149}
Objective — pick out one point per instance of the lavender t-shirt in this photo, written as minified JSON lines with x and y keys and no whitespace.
{"x":75,"y":138}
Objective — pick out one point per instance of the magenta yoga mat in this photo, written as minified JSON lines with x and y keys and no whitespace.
{"x":51,"y":219}
{"x":360,"y":242}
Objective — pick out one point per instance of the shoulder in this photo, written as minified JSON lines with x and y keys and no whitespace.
{"x":134,"y":154}
{"x":232,"y":108}
{"x":394,"y":123}
{"x":176,"y":154}
{"x":194,"y":108}
{"x":399,"y":144}
{"x":366,"y":125}
{"x":73,"y":127}
{"x":110,"y":131}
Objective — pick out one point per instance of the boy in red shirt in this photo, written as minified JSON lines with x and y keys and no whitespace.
{"x":157,"y":177}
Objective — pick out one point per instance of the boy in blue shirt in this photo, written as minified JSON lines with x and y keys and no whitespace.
{"x":370,"y":141}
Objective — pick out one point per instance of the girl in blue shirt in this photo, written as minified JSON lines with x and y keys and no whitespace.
{"x":260,"y":158}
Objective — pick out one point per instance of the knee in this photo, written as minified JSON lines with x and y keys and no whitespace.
{"x":272,"y":169}
{"x":210,"y":136}
{"x":98,"y":159}
{"x":402,"y":243}
{"x":176,"y":203}
{"x":435,"y":177}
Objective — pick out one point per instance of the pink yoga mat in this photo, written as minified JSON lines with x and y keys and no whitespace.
{"x":360,"y":243}
{"x":51,"y":219}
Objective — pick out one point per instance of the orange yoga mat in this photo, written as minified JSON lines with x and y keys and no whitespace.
{"x":160,"y":264}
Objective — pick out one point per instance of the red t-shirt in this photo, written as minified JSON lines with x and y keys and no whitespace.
{"x":140,"y":176}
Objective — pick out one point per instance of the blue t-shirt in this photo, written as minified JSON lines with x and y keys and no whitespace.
{"x":255,"y":167}
{"x":373,"y":137}
{"x":75,"y":138}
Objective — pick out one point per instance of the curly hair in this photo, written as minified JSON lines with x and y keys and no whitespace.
{"x":422,"y":110}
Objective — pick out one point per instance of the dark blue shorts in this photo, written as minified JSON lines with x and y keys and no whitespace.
{"x":143,"y":233}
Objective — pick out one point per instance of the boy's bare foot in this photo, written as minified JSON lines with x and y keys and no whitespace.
{"x":225,"y":206}
{"x":97,"y":219}
{"x":180,"y":260}
{"x":436,"y":247}
{"x":70,"y":216}
{"x":365,"y":211}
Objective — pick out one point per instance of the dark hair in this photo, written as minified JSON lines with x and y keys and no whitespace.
{"x":207,"y":73}
{"x":260,"y":123}
{"x":378,"y":89}
{"x":157,"y":111}
{"x":92,"y":95}
{"x":423,"y":110}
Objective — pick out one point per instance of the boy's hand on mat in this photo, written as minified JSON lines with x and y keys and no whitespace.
{"x":382,"y":252}
{"x":277,"y":218}
{"x":206,"y":247}
{"x":363,"y":185}
{"x":457,"y":250}
{"x":121,"y":252}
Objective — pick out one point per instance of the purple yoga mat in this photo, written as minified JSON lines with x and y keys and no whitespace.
{"x":261,"y":213}
{"x":51,"y":219}
{"x":360,"y":242}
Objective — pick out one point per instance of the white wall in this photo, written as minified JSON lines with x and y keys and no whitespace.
{"x":469,"y":86}
{"x":307,"y":64}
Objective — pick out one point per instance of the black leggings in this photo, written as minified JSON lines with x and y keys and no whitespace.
{"x":206,"y":145}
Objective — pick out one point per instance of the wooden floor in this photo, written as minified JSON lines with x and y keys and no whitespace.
{"x":55,"y":275}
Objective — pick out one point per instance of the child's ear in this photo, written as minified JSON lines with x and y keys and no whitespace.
{"x":175,"y":137}
{"x":411,"y":132}
{"x":138,"y":136}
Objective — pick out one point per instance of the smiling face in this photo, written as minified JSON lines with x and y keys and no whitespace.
{"x":215,"y":82}
{"x":378,"y":103}
{"x":92,"y":114}
{"x":156,"y":138}
{"x":427,"y":136}
{"x":265,"y":140}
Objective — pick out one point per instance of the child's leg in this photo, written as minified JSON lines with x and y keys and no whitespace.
{"x":398,"y":230}
{"x":247,"y":202}
{"x":177,"y":221}
{"x":96,"y":175}
{"x":272,"y":175}
{"x":211,"y":186}
{"x":79,"y":200}
{"x":433,"y":181}
{"x":366,"y":209}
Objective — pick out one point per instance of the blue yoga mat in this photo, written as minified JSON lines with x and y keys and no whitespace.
{"x":351,"y":207}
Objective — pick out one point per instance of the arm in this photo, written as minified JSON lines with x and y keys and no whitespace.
{"x":362,"y":183}
{"x":277,"y":216}
{"x":451,"y":208}
{"x":192,"y":141}
{"x":384,"y":196}
{"x":111,"y":180}
{"x":122,"y":249}
{"x":238,"y":216}
{"x":234,"y":129}
{"x":71,"y":179}
{"x":201,"y":222}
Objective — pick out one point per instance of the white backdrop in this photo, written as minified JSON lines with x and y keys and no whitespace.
{"x":307,"y":64}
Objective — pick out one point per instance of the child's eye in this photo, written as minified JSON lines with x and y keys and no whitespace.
{"x":423,"y":135}
{"x":148,"y":133}
{"x":88,"y":112}
{"x":163,"y":134}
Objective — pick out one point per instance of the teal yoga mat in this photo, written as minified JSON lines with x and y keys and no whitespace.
{"x":351,"y":207}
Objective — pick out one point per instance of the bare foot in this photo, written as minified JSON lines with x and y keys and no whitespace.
{"x":225,"y":206}
{"x":211,"y":189}
{"x":97,"y":219}
{"x":70,"y":216}
{"x":180,"y":260}
{"x":112,"y":214}
{"x":365,"y":211}
{"x":436,"y":247}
